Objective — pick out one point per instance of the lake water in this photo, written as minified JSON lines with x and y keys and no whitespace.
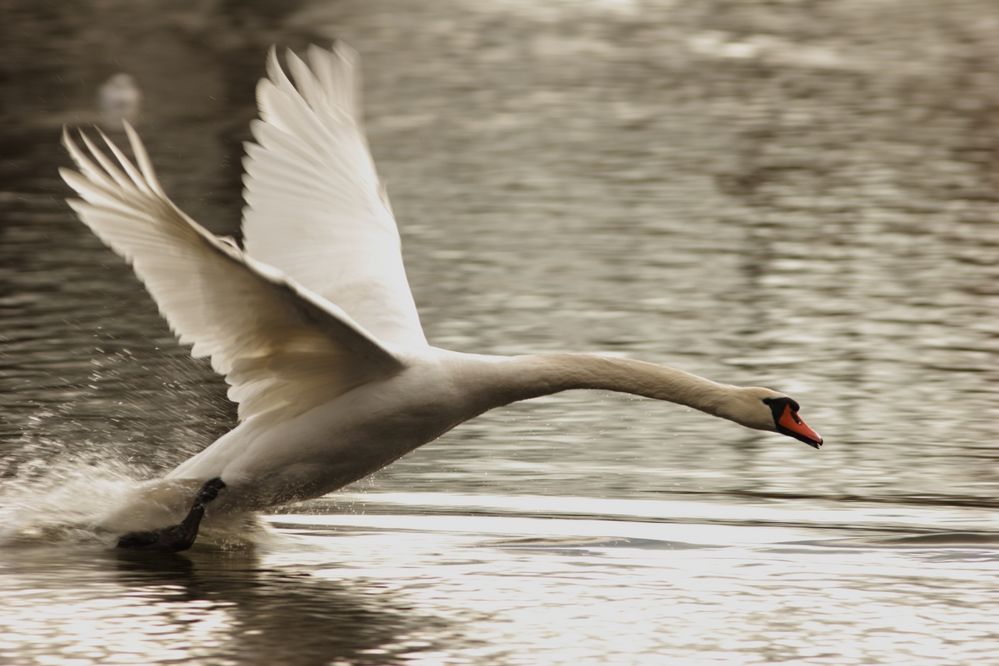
{"x":792,"y":194}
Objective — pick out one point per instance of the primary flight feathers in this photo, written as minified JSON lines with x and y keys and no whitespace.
{"x":314,"y":205}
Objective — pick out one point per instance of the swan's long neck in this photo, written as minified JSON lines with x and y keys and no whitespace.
{"x":522,"y":377}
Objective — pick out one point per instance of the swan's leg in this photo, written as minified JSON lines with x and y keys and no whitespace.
{"x":176,"y":537}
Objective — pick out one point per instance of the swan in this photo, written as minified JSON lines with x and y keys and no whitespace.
{"x":312,"y":322}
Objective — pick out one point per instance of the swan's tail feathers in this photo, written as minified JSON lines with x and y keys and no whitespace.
{"x":246,"y":316}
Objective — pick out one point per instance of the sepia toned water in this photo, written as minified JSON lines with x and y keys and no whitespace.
{"x":791,"y":194}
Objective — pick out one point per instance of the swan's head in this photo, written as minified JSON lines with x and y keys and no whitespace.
{"x":766,"y":409}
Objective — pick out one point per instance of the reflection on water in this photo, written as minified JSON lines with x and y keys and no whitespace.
{"x":799,"y":195}
{"x":112,"y":607}
{"x":403,"y":588}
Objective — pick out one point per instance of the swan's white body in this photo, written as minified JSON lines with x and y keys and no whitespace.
{"x":313,"y":324}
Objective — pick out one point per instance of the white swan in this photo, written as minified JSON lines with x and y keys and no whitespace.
{"x":313,"y":324}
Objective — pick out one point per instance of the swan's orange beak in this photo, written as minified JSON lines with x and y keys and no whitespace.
{"x":791,"y":424}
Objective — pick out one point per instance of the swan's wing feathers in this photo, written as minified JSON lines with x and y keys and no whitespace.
{"x":314,"y":206}
{"x":279,"y":345}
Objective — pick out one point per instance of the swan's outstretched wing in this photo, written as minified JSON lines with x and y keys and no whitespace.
{"x":314,"y":205}
{"x":279,"y":345}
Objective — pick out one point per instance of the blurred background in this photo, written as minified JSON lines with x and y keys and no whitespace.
{"x":790,"y":193}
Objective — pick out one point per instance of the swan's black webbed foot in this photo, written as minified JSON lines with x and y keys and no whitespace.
{"x":209,"y":491}
{"x":176,"y":537}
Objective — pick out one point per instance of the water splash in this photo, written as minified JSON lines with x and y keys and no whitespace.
{"x":66,"y":502}
{"x":81,"y":502}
